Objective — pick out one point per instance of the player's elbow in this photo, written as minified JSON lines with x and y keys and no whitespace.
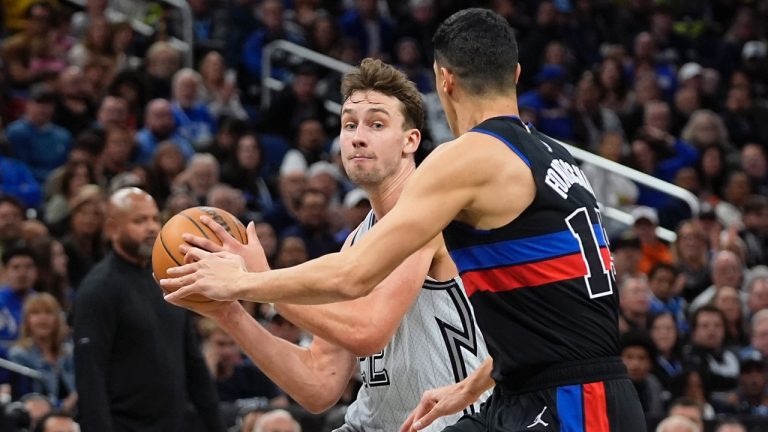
{"x":317,"y":403}
{"x":364,"y":344}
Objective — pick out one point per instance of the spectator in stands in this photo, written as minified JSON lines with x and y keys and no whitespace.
{"x":647,"y":61}
{"x":626,"y":256}
{"x":755,"y":230}
{"x":159,"y":125}
{"x":704,"y":129}
{"x":687,"y":101}
{"x":729,"y":301}
{"x":52,"y":276}
{"x":83,"y":242}
{"x":409,"y":60}
{"x":230,"y":199}
{"x":756,"y":289}
{"x":616,"y":87}
{"x":130,"y":86}
{"x":758,"y":346}
{"x":57,"y":421}
{"x":356,"y":206}
{"x":592,"y":120}
{"x":742,"y":117}
{"x":313,"y":224}
{"x":43,"y":347}
{"x":295,"y":104}
{"x":166,"y":164}
{"x":115,"y":158}
{"x":665,"y":287}
{"x":273,"y":27}
{"x":219,"y":89}
{"x":244,"y":172}
{"x":753,"y":162}
{"x":162,"y":62}
{"x":693,"y":403}
{"x":752,"y":395}
{"x":736,"y":192}
{"x":11,"y":217}
{"x":268,"y":240}
{"x":74,"y":108}
{"x":18,"y":50}
{"x":36,"y":141}
{"x":325,"y":177}
{"x":210,"y":25}
{"x":730,"y":426}
{"x":21,"y":276}
{"x":654,"y":251}
{"x":137,"y":360}
{"x":364,"y":22}
{"x":37,"y":406}
{"x":707,"y":353}
{"x":277,"y":421}
{"x":76,"y":174}
{"x":677,"y":423}
{"x":692,"y":258}
{"x":234,"y":377}
{"x":638,"y":352}
{"x":549,"y":103}
{"x":193,"y":119}
{"x":667,"y":365}
{"x":17,"y":180}
{"x":112,"y":113}
{"x":201,"y":174}
{"x":727,"y":270}
{"x":712,"y":172}
{"x":290,"y":251}
{"x":97,"y":42}
{"x":634,"y":303}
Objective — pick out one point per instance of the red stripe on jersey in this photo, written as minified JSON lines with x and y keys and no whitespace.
{"x":543,"y":272}
{"x":595,"y":410}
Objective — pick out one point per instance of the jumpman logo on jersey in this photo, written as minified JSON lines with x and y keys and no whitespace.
{"x":538,"y":420}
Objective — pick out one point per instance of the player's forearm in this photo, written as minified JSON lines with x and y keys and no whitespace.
{"x":330,"y":278}
{"x":314,"y":380}
{"x":348,"y":328}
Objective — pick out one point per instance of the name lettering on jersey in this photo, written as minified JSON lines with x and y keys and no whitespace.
{"x":561,"y":176}
{"x":372,"y":372}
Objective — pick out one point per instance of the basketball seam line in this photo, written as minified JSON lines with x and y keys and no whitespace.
{"x":167,"y":251}
{"x":196,"y":225}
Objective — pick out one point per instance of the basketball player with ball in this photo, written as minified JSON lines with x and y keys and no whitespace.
{"x":414,"y":331}
{"x":523,"y":226}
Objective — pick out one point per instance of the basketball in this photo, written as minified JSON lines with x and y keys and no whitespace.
{"x":165,"y":252}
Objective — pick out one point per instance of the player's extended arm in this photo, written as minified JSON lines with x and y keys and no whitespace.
{"x":450,"y":399}
{"x":363,"y":326}
{"x":440,"y":188}
{"x":315,"y":376}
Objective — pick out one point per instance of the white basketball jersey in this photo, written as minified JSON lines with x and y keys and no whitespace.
{"x":437,"y":343}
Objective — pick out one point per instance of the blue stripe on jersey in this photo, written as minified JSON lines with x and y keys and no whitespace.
{"x":505,"y":141}
{"x":569,"y":408}
{"x":519,"y":251}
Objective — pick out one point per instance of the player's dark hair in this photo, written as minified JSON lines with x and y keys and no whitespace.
{"x":479,"y":46}
{"x":375,"y":75}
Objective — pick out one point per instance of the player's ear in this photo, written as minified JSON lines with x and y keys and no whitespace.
{"x":448,"y":81}
{"x":412,"y":141}
{"x":517,"y":73}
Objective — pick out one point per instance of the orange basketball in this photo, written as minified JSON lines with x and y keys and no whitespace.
{"x":165,"y":252}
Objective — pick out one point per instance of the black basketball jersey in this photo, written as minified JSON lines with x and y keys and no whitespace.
{"x":542,"y":286}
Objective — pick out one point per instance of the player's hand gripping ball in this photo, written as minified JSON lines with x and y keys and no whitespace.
{"x":165,"y":252}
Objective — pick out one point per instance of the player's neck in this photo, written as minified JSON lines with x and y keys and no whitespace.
{"x":475,"y":110}
{"x":384,"y":195}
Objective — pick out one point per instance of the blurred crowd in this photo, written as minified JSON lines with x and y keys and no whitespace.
{"x":96,"y":95}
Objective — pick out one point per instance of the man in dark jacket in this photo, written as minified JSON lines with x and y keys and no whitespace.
{"x":138,"y":364}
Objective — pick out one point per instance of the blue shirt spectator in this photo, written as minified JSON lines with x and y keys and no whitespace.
{"x":36,"y":141}
{"x":16,"y":179}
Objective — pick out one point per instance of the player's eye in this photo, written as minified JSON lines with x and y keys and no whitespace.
{"x":377,"y":125}
{"x":349,"y":126}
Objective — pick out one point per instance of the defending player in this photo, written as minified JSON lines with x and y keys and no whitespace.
{"x":416,"y":330}
{"x":521,"y":222}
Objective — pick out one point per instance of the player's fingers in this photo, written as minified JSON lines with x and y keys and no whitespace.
{"x":406,"y":427}
{"x":201,"y":242}
{"x":177,"y":272}
{"x":217,"y":229}
{"x":195,"y":254}
{"x":250,"y":232}
{"x":180,"y":293}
